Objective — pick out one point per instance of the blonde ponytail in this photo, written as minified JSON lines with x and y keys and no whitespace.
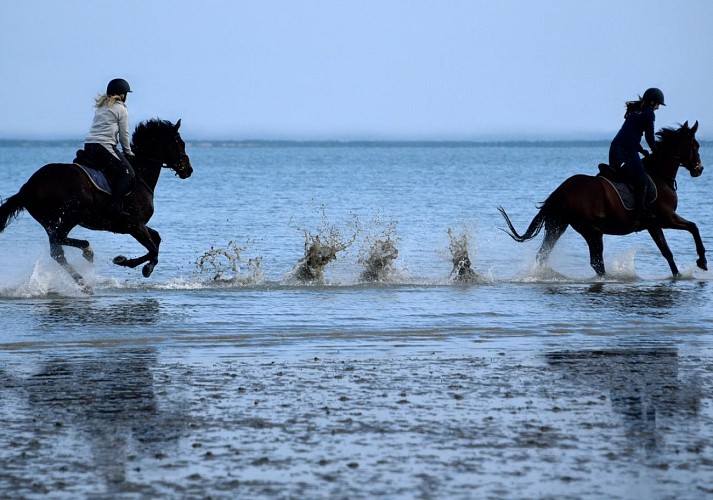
{"x":106,"y":100}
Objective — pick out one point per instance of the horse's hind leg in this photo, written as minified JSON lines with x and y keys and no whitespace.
{"x":57,"y":252}
{"x":83,"y":245}
{"x":595,"y":241}
{"x":553,"y":232}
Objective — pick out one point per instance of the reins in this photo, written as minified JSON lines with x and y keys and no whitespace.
{"x":163,"y":164}
{"x":152,"y":160}
{"x":670,"y":181}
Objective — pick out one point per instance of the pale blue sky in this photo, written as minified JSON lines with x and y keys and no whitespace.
{"x":362,"y":69}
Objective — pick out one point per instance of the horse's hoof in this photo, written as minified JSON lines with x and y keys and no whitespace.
{"x":88,"y":254}
{"x":703,"y":264}
{"x":83,"y":286}
{"x":120,"y":260}
{"x":147,"y":270}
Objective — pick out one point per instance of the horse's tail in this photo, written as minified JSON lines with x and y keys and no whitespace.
{"x":10,"y":209}
{"x":534,"y":228}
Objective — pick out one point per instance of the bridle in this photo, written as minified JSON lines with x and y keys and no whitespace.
{"x":179,"y":164}
{"x":690,"y":161}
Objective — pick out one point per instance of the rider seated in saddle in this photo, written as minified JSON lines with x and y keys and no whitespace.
{"x":111,"y":127}
{"x":626,"y":146}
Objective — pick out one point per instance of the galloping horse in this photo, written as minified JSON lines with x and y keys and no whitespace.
{"x":61,"y":197}
{"x":593,"y":208}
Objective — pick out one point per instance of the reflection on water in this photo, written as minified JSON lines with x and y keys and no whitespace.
{"x":130,"y":423}
{"x":89,"y":312}
{"x":659,"y":300}
{"x":643,"y":386}
{"x":104,"y":406}
{"x":653,"y":300}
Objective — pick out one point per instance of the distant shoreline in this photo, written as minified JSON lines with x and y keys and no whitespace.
{"x":266,"y":143}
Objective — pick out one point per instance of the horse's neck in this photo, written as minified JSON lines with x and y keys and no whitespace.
{"x":148,"y":170}
{"x":662,"y":166}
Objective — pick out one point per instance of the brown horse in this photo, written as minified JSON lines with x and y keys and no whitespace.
{"x":593,"y":208}
{"x":61,"y":197}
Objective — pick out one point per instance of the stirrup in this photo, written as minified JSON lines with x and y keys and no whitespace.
{"x":117,"y":211}
{"x":644,"y":219}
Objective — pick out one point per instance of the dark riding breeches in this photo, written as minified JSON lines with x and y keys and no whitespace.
{"x":117,"y":168}
{"x":633,"y":169}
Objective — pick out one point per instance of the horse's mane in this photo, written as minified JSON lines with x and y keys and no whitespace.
{"x":666,"y":134}
{"x":150,"y":131}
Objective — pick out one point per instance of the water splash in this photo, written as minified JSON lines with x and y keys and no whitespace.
{"x":623,"y":266}
{"x":541,"y":273}
{"x":45,"y":280}
{"x":225,"y":265}
{"x":460,"y":258}
{"x":378,"y":259}
{"x":321,"y":249}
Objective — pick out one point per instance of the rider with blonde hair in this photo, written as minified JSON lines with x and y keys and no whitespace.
{"x":626,"y":146}
{"x":109,"y":129}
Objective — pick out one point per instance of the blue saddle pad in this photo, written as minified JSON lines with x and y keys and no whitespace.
{"x":626,"y":194}
{"x":98,"y":178}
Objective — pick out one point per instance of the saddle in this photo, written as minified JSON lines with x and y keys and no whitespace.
{"x":623,"y":188}
{"x":85,"y":159}
{"x":92,"y":168}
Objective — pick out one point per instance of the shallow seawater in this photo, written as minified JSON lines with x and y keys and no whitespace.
{"x":225,"y":375}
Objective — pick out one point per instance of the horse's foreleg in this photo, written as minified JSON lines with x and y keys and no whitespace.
{"x":156,"y":240}
{"x":150,"y":239}
{"x":678,"y":222}
{"x":155,"y":237}
{"x":660,"y":240}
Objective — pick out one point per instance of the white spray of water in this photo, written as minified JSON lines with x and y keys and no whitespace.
{"x":322,"y":248}
{"x":46,"y":279}
{"x":460,"y":258}
{"x":539,"y":273}
{"x":226,"y":265}
{"x":378,"y":254}
{"x":622,"y":266}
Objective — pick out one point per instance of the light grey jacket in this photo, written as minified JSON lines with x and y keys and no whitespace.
{"x":111,"y":127}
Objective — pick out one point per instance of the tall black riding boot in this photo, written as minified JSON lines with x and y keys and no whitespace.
{"x":642,"y":214}
{"x":119,"y":191}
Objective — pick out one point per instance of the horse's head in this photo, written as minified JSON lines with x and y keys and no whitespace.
{"x":178,"y":160}
{"x":694,"y":165}
{"x":684,"y":148}
{"x":160,"y":141}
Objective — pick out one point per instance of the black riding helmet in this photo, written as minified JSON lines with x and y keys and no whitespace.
{"x":120,"y":86}
{"x":654,"y":95}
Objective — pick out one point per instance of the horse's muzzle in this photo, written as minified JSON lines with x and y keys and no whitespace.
{"x":184,"y":169}
{"x":697,"y":170}
{"x":185,"y":173}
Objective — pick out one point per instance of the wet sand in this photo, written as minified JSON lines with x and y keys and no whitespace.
{"x":133,"y":423}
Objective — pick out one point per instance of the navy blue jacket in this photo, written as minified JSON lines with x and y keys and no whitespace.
{"x":636,"y":124}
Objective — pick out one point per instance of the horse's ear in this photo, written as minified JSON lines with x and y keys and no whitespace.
{"x":695,"y":127}
{"x":685,"y":125}
{"x":178,"y":125}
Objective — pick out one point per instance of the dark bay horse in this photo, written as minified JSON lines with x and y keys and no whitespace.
{"x":61,"y":197}
{"x":593,"y":208}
